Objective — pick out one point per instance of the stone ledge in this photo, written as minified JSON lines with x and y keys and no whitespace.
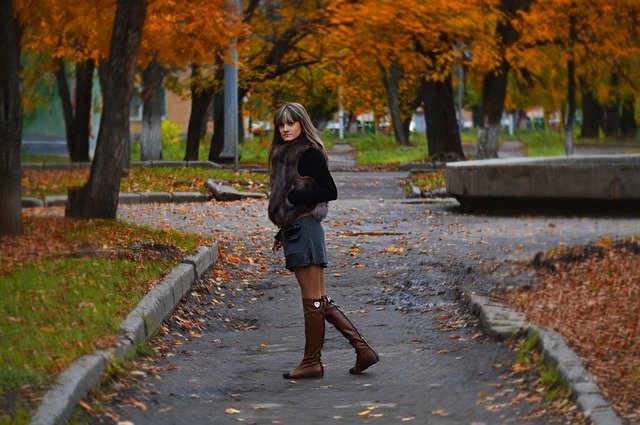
{"x":31,"y":202}
{"x":227,"y":193}
{"x":55,"y":200}
{"x":501,"y":321}
{"x":559,"y":182}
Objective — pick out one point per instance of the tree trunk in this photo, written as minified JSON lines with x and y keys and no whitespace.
{"x":494,"y":82}
{"x":67,"y":106}
{"x":200,"y":103}
{"x":443,"y":134}
{"x":10,"y":123}
{"x":217,"y":139}
{"x":591,"y":114}
{"x":494,"y":90}
{"x":82,"y":116}
{"x":628,"y":125}
{"x":77,"y":120}
{"x":391,"y":78}
{"x":98,"y":198}
{"x":571,"y":108}
{"x":612,"y":119}
{"x":352,"y":122}
{"x":151,"y":137}
{"x":612,"y":111}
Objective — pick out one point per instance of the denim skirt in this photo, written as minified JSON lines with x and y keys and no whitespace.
{"x":303,"y":243}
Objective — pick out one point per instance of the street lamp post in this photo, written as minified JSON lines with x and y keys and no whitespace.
{"x":230,"y":148}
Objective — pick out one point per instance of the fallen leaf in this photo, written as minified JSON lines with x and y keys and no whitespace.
{"x":231,"y":411}
{"x":440,"y":412}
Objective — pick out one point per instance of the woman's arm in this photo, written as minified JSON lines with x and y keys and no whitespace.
{"x":313,"y":164}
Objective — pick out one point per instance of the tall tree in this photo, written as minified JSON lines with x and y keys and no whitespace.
{"x":98,"y":198}
{"x":443,"y":134}
{"x":10,"y":122}
{"x":69,"y":36}
{"x":178,"y":36}
{"x":285,"y":36}
{"x":391,"y":77}
{"x":422,"y":39}
{"x":201,"y":98}
{"x":494,"y":82}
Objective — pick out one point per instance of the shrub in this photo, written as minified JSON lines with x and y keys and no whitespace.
{"x":170,"y":134}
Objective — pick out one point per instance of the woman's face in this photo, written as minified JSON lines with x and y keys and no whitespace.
{"x":290,"y":130}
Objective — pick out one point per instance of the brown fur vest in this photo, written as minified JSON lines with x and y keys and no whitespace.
{"x":285,"y":178}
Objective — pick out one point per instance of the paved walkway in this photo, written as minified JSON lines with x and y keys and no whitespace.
{"x":397,"y":267}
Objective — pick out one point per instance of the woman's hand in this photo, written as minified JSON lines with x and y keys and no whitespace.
{"x":276,"y":245}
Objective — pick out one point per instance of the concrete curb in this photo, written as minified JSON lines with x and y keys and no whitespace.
{"x":223,"y":192}
{"x":85,"y":373}
{"x":124,"y":198}
{"x":500,"y":321}
{"x":134,"y":164}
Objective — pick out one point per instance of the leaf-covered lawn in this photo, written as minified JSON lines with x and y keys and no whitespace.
{"x":429,"y":181}
{"x":40,"y":183}
{"x":66,"y":285}
{"x":591,"y":295}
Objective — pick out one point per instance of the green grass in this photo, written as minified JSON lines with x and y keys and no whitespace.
{"x":540,"y":143}
{"x":377,"y":149}
{"x":550,"y":379}
{"x":255,"y":150}
{"x":370,"y":149}
{"x":65,"y":306}
{"x":59,"y":307}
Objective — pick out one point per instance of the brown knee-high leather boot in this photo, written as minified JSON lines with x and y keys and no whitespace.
{"x":365,"y":356}
{"x":311,"y":366}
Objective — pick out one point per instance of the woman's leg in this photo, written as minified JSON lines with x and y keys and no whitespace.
{"x":365,"y":355}
{"x":312,"y":287}
{"x":311,"y":281}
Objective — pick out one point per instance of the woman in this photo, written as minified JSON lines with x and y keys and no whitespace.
{"x":301,"y":187}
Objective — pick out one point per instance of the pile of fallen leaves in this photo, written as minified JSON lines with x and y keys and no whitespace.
{"x":591,"y":295}
{"x":51,"y":235}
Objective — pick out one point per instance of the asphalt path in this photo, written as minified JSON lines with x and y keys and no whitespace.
{"x":398,"y":267}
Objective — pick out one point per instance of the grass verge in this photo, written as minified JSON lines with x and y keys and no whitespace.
{"x":40,"y":183}
{"x":380,"y":149}
{"x":427,"y":181}
{"x":66,"y":286}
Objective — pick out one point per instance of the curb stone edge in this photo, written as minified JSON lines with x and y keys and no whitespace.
{"x":73,"y":384}
{"x":500,"y":322}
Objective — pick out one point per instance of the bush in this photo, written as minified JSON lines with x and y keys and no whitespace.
{"x":170,"y":134}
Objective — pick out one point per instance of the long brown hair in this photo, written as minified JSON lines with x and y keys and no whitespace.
{"x":294,"y":112}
